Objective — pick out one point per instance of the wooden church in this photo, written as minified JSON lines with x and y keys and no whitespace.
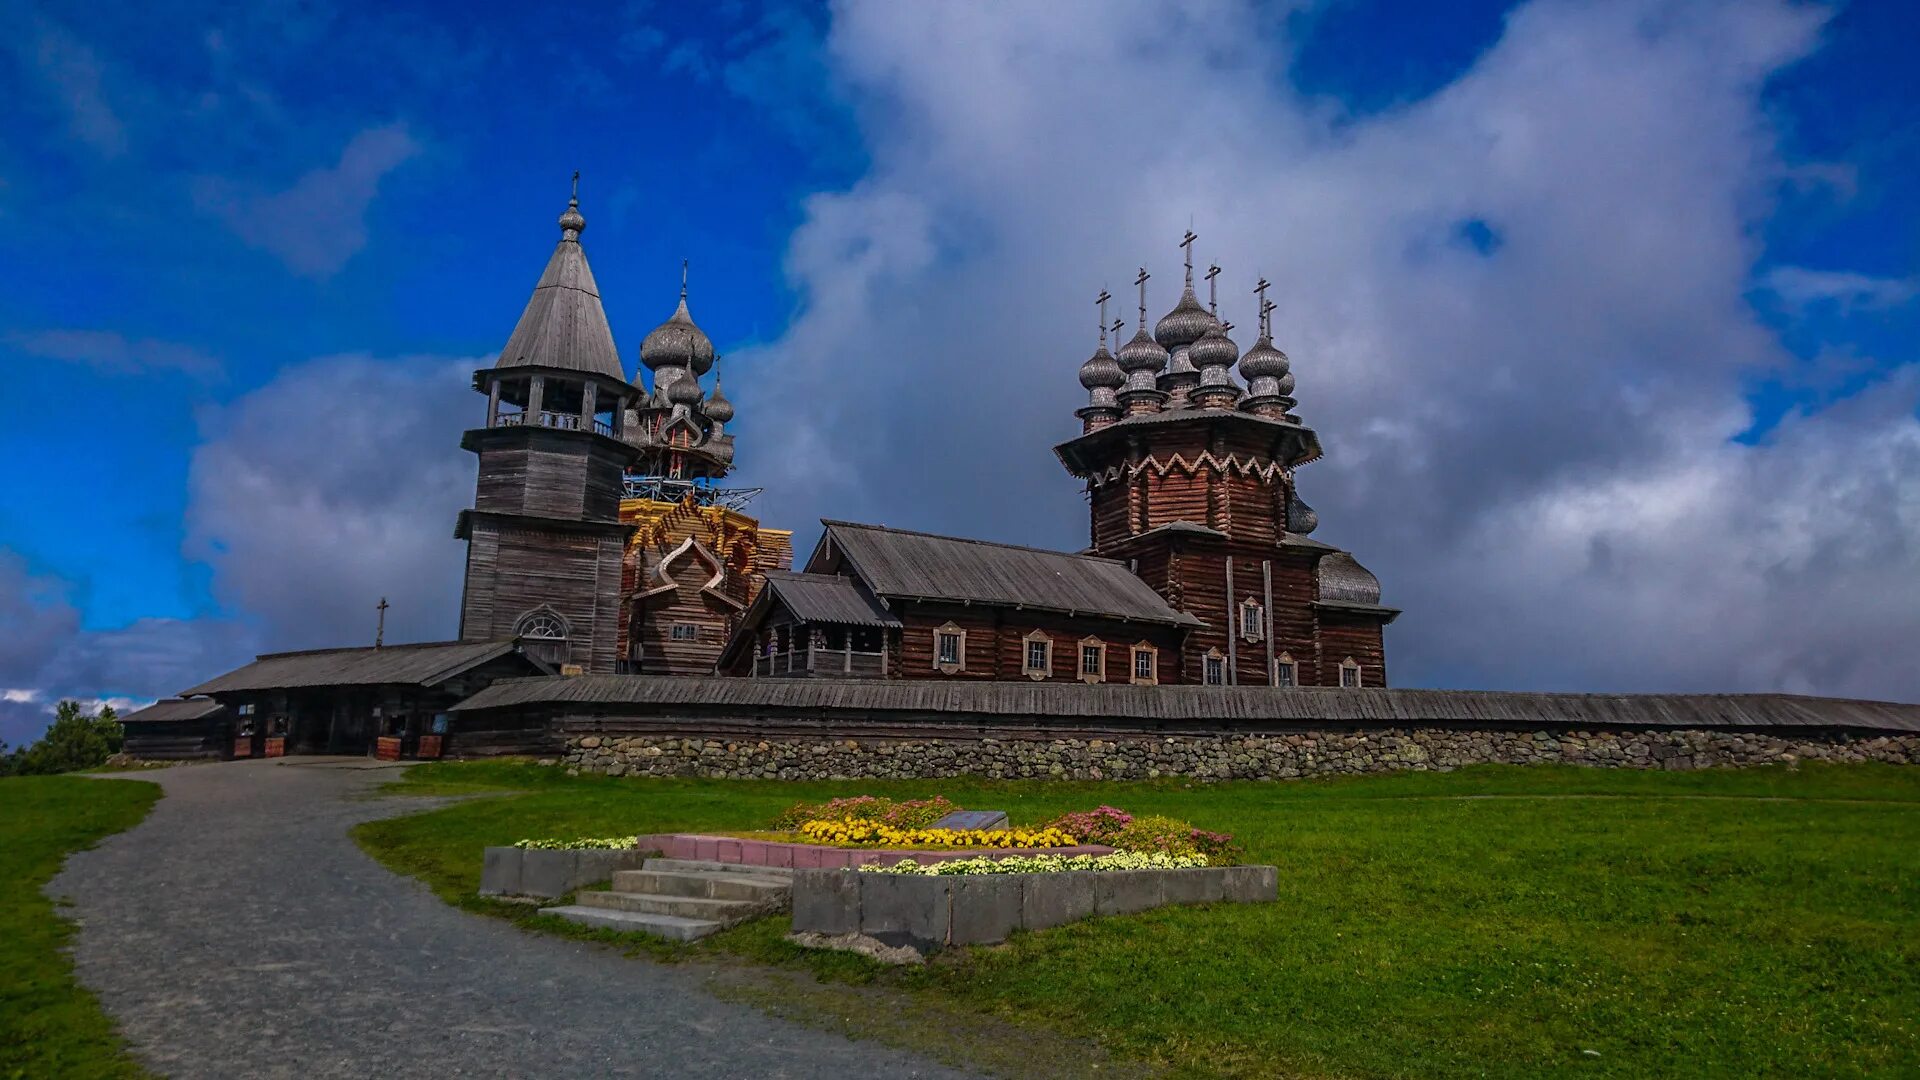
{"x":603,"y":541}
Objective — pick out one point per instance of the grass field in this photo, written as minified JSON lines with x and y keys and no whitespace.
{"x":49,"y":1025}
{"x":1489,"y":922}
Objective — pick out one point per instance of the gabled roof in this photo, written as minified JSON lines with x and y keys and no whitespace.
{"x":425,"y":664}
{"x":828,"y":598}
{"x":174,"y":710}
{"x":922,"y":566}
{"x":564,"y":325}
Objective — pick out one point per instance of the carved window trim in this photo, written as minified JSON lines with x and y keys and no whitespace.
{"x":542,"y":624}
{"x":1213,"y":668}
{"x":1252,"y":620}
{"x":1099,"y":673}
{"x":959,"y":661}
{"x":1350,"y":676}
{"x":1144,"y":650}
{"x":1027,"y":668}
{"x":1284,"y":665}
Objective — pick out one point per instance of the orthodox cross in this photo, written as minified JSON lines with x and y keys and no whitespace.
{"x":576,"y":185}
{"x":1117,"y":324}
{"x":1186,"y":245}
{"x":380,"y":631}
{"x":1142,"y":282}
{"x":1261,"y":291}
{"x":683,"y":279}
{"x":1213,"y":288}
{"x":1102,"y":301}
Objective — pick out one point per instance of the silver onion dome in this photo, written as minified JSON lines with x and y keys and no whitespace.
{"x":1185,"y":324}
{"x":1214,"y":349}
{"x":684,"y":390}
{"x":718,"y":407}
{"x":1101,"y":370}
{"x":572,"y":223}
{"x":678,"y":342}
{"x":1263,"y":361}
{"x":1142,"y":353}
{"x":1300,"y":517}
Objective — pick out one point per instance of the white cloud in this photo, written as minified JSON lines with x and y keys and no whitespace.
{"x":332,"y":486}
{"x":113,"y":353}
{"x":73,"y":73}
{"x":320,"y":222}
{"x":1532,"y":445}
{"x":1801,"y":288}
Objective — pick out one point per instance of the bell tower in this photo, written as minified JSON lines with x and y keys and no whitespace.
{"x":544,"y":537}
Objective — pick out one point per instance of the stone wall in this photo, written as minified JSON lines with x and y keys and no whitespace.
{"x":1221,"y":757}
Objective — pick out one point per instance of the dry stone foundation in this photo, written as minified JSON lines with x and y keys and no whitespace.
{"x":1268,"y":756}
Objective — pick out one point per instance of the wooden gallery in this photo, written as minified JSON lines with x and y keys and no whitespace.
{"x":602,"y":542}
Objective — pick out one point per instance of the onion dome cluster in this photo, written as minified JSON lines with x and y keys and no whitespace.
{"x":678,"y":342}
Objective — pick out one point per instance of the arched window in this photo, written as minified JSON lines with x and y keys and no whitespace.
{"x":543,"y":634}
{"x":1350,"y":672}
{"x":1253,"y":623}
{"x":1286,"y":674}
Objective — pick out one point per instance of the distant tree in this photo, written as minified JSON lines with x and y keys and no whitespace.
{"x":75,"y":740}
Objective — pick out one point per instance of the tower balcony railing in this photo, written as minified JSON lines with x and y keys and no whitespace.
{"x":558,"y":420}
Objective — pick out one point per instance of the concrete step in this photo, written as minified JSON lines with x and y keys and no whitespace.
{"x":715,"y":886}
{"x":689,"y":907}
{"x":675,"y":927}
{"x":708,"y":866}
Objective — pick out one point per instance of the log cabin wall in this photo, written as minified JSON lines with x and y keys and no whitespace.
{"x":515,"y":569}
{"x":1347,"y":634}
{"x":996,"y":643}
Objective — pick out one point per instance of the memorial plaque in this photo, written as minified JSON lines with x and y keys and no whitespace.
{"x":973,"y":819}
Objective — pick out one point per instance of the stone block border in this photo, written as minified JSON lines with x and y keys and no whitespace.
{"x":733,"y":849}
{"x":930,"y":913}
{"x":512,"y":871}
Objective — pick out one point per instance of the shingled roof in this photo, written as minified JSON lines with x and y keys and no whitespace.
{"x":425,"y":664}
{"x":174,"y":710}
{"x":896,"y":563}
{"x":828,"y":598}
{"x":1213,"y":707}
{"x":564,"y":325}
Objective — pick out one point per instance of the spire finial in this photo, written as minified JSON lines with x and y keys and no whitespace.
{"x":1186,"y":245}
{"x":1102,"y":301}
{"x":683,"y":279}
{"x":1260,"y":290}
{"x":1142,"y":282}
{"x":571,"y":222}
{"x":1213,"y":290}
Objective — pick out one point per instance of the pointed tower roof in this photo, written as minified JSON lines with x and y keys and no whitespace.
{"x":564,"y":325}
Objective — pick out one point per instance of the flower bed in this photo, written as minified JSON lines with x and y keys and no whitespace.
{"x":585,"y":843}
{"x":873,"y":834}
{"x":1044,"y":864}
{"x":898,"y":814}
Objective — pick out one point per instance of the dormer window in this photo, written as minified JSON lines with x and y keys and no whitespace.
{"x":1286,"y":674}
{"x":1253,"y":624}
{"x":1039,"y":656}
{"x":950,"y":649}
{"x":1350,"y":672}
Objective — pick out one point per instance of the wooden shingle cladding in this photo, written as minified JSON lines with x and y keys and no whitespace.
{"x":546,"y":473}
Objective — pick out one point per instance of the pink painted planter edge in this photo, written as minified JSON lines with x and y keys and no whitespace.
{"x":731,"y":849}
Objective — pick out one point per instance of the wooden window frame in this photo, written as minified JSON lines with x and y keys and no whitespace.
{"x":1080,"y":662}
{"x":1041,"y":638}
{"x":1285,"y":660}
{"x":692,"y":631}
{"x":1152,"y":652}
{"x":959,"y":663}
{"x":1214,"y":661}
{"x":1351,"y":666}
{"x":1251,"y":609}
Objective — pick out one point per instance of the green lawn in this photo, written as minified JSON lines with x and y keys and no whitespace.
{"x":49,"y":1025}
{"x":1489,"y":922}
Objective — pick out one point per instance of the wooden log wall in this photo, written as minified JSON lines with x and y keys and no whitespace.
{"x":997,"y":642}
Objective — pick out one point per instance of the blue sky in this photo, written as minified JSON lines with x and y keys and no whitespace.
{"x":250,"y":253}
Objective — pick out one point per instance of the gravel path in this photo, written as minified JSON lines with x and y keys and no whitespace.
{"x":238,"y":932}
